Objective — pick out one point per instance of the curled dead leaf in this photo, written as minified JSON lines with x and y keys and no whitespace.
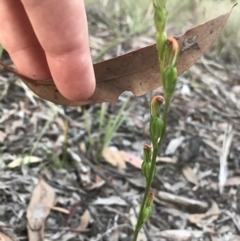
{"x":24,"y":161}
{"x":190,"y":175}
{"x":204,"y":219}
{"x":6,"y":234}
{"x":114,"y":157}
{"x":42,"y":200}
{"x":85,"y":219}
{"x":137,"y":71}
{"x":180,"y":234}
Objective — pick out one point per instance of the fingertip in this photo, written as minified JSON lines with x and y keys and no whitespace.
{"x":73,"y":75}
{"x":80,"y":89}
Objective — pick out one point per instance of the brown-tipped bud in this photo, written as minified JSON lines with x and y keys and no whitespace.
{"x":148,"y":207}
{"x":156,"y":103}
{"x":150,"y":199}
{"x":172,"y":51}
{"x":146,"y":165}
{"x":147,"y":151}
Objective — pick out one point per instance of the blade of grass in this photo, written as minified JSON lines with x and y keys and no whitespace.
{"x":114,"y":124}
{"x":43,"y":131}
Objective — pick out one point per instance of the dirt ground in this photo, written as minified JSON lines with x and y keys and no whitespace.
{"x":197,"y":185}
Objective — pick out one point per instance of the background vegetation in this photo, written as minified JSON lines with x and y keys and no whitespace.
{"x":123,"y":19}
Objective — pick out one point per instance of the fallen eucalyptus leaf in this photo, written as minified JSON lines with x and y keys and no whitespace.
{"x":204,"y":219}
{"x":85,"y":219}
{"x":180,"y":234}
{"x":137,"y":71}
{"x":24,"y":161}
{"x":42,"y":200}
{"x":112,"y":200}
{"x":190,"y":175}
{"x":114,"y":157}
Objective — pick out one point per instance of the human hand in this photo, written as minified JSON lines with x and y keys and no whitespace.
{"x":49,"y":39}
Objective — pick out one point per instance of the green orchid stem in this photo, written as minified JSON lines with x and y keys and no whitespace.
{"x":165,"y":115}
{"x":153,"y":161}
{"x":147,"y":189}
{"x":153,"y":164}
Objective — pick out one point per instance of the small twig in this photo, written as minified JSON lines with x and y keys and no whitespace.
{"x":235,"y":218}
{"x":223,"y":172}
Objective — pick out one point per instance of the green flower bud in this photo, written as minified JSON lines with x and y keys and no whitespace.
{"x":156,"y":127}
{"x":170,"y":81}
{"x":155,"y":106}
{"x":147,"y":209}
{"x":161,"y":39}
{"x":146,"y":214}
{"x":159,"y":3}
{"x":160,"y":18}
{"x":146,"y":166}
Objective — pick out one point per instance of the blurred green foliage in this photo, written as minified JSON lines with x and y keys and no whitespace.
{"x":127,"y":18}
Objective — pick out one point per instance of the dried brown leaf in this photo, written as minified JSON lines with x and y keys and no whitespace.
{"x":114,"y":157}
{"x":42,"y":200}
{"x":206,"y":218}
{"x":233,"y":181}
{"x":111,"y":200}
{"x":132,"y":159}
{"x":85,"y":219}
{"x":61,"y":210}
{"x":137,"y":182}
{"x":190,"y":175}
{"x":181,"y":235}
{"x":24,"y":161}
{"x":137,"y":71}
{"x":166,"y":160}
{"x":4,"y":237}
{"x":99,"y":182}
{"x":6,"y":234}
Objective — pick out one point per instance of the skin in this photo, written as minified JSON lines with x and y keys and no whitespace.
{"x":49,"y":39}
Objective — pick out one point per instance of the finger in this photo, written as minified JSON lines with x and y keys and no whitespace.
{"x":62,"y":31}
{"x":19,"y":39}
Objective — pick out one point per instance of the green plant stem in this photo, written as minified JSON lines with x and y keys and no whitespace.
{"x":147,"y":189}
{"x":165,"y":115}
{"x":153,"y":164}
